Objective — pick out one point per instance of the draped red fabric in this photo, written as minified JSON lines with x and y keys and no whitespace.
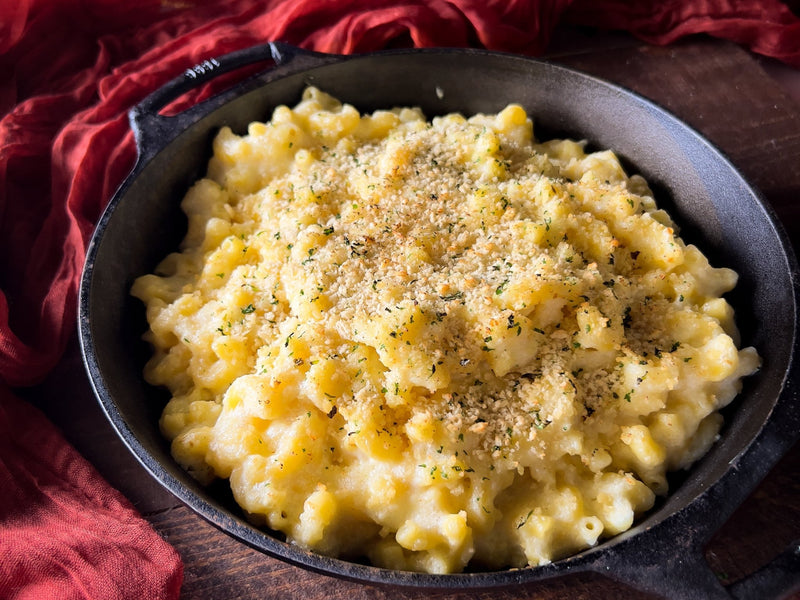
{"x":69,"y":72}
{"x":79,"y":539}
{"x":767,"y":28}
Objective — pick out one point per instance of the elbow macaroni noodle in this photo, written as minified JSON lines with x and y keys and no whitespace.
{"x":435,"y":343}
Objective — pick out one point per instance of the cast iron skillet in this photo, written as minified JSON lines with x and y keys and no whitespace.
{"x":704,"y":193}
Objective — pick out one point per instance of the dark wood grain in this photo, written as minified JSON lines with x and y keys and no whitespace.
{"x":716,"y":87}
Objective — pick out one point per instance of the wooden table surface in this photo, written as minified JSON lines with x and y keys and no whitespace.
{"x":748,"y":107}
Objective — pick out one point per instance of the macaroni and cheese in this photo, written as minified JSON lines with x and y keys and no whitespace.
{"x":435,"y":343}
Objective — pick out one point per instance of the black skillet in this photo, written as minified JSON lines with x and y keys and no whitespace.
{"x":708,"y":198}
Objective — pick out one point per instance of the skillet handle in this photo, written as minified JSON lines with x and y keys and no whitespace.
{"x":777,"y":579}
{"x":152,"y":131}
{"x":685,"y":575}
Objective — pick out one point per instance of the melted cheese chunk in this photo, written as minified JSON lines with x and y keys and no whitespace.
{"x":435,"y":343}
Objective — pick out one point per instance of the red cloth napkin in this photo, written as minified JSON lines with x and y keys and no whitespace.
{"x":69,"y":72}
{"x":65,"y":533}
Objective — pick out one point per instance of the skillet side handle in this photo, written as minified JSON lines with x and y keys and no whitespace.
{"x":777,"y":579}
{"x":667,"y":566}
{"x":153,"y":131}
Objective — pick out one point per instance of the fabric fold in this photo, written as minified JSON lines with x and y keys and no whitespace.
{"x":66,"y":534}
